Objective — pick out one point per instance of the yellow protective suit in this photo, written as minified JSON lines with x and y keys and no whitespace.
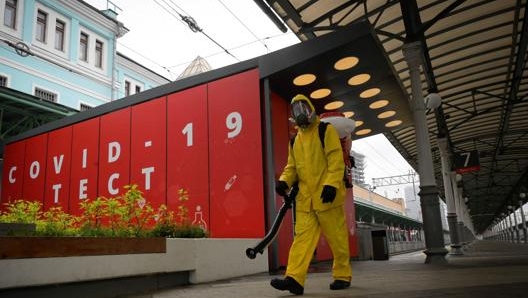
{"x":313,"y":166}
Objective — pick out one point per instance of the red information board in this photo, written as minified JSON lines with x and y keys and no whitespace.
{"x":149,"y":149}
{"x":12,"y":173}
{"x":235,"y":154}
{"x":187,"y":156}
{"x":84,"y":163}
{"x":114,"y":153}
{"x":35,"y":168}
{"x":57,"y":191}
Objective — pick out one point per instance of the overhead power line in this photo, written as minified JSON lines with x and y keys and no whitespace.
{"x":191,"y":23}
{"x":243,"y":24}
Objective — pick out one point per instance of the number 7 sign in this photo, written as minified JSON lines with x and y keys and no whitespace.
{"x":465,"y":162}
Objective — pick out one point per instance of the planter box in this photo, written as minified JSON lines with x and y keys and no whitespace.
{"x":200,"y":260}
{"x":7,"y":229}
{"x":46,"y":247}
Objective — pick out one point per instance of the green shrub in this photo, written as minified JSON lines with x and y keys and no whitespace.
{"x":129,"y":215}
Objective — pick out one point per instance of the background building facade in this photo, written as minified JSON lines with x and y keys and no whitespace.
{"x":65,"y":52}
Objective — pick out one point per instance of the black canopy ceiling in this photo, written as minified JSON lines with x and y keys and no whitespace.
{"x":474,"y":56}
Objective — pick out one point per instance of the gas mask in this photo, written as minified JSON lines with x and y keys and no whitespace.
{"x":302,"y":113}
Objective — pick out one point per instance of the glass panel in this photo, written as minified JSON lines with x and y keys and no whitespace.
{"x":59,"y":35}
{"x":42,"y":19}
{"x":10,"y":13}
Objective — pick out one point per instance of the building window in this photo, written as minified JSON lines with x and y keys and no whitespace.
{"x":84,"y":107}
{"x":59,"y":35}
{"x":45,"y":95}
{"x":42,"y":19}
{"x":99,"y":54}
{"x":138,"y":89}
{"x":10,"y":13}
{"x":83,"y":47}
{"x":3,"y":81}
{"x":127,"y":88}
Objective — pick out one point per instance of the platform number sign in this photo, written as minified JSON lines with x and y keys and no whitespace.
{"x":465,"y":162}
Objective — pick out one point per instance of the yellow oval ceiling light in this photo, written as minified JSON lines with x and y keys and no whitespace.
{"x":393,"y":123}
{"x":363,"y":132}
{"x":359,"y":79}
{"x":320,"y":93}
{"x":349,"y":114}
{"x":370,"y":92}
{"x":359,"y":123}
{"x":379,"y":104}
{"x":346,"y":63}
{"x":304,"y":79}
{"x":386,"y":114}
{"x":333,"y":105}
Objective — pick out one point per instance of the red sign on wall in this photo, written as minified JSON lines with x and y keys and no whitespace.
{"x":57,"y":191}
{"x":148,"y":149}
{"x":84,"y":163}
{"x":235,"y":156}
{"x":35,"y":168}
{"x":13,"y":172}
{"x":199,"y":148}
{"x":114,"y":152}
{"x":187,"y":158}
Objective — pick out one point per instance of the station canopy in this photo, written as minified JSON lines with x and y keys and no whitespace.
{"x":474,"y":57}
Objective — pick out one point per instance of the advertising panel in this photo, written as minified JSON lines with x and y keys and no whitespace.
{"x":84,"y":163}
{"x":236,"y":156}
{"x":114,"y":153}
{"x":35,"y":168}
{"x":187,"y":156}
{"x":149,"y":150}
{"x":12,"y":173}
{"x":57,"y":191}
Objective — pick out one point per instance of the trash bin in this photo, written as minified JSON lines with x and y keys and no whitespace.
{"x":380,"y":245}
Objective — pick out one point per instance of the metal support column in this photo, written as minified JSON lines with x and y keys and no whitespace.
{"x":503,"y":233}
{"x":458,"y":204}
{"x":432,"y":222}
{"x":449,"y":196}
{"x":516,"y":229}
{"x":525,"y":232}
{"x":512,"y":234}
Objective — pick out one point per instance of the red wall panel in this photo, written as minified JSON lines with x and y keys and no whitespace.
{"x":57,"y":191}
{"x":35,"y":168}
{"x":237,"y":203}
{"x":84,"y":163}
{"x":13,"y":171}
{"x":114,"y":153}
{"x":187,"y":153}
{"x":149,"y":150}
{"x":281,"y":136}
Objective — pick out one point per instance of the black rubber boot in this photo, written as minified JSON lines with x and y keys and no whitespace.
{"x":339,"y":284}
{"x":287,"y":284}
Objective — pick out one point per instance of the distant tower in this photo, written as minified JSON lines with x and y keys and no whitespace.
{"x":198,"y":65}
{"x":358,"y":173}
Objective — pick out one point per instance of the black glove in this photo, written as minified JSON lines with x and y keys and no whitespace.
{"x":281,"y":187}
{"x":328,"y":194}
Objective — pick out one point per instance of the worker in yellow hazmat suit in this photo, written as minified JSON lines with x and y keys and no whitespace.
{"x":318,"y":171}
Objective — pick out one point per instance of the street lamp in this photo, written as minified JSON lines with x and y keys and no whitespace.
{"x":432,"y":101}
